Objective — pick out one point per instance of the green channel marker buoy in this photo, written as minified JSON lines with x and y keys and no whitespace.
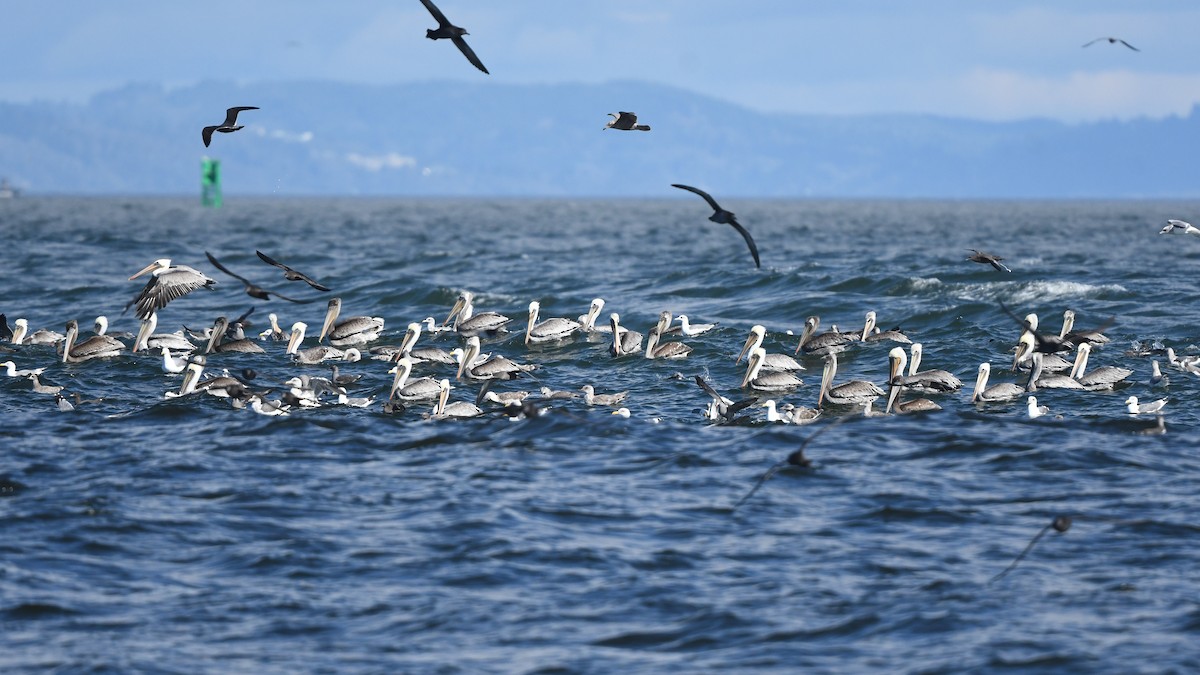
{"x":210,"y":182}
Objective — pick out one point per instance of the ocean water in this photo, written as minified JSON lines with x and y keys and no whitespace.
{"x":139,"y":533}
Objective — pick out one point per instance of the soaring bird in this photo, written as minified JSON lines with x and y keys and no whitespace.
{"x":1179,"y":227}
{"x":720,"y":215}
{"x":446,"y":29}
{"x":167,"y":283}
{"x":1112,"y":41}
{"x":625,"y":121}
{"x":252,"y":289}
{"x":230,"y":124}
{"x":289,"y":273}
{"x":988,"y":259}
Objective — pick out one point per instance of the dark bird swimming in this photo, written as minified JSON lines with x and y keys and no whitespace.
{"x":988,"y":259}
{"x":447,"y":30}
{"x":1112,"y":41}
{"x":625,"y":121}
{"x":720,"y":215}
{"x":229,"y":126}
{"x":291,"y":274}
{"x":253,"y":290}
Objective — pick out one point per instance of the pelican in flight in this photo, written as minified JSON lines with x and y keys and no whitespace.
{"x":1004,"y":391}
{"x":357,"y":330}
{"x":625,"y":341}
{"x":21,"y":335}
{"x":921,"y":380}
{"x":1135,"y":408}
{"x":1104,"y":377}
{"x":625,"y":121}
{"x":312,"y":355}
{"x":447,"y":30}
{"x":468,"y":323}
{"x":551,"y":330}
{"x":854,"y":392}
{"x":229,"y":126}
{"x":1111,"y":41}
{"x":95,"y":347}
{"x":724,"y":217}
{"x":167,"y":283}
{"x":771,"y":361}
{"x":773,"y":380}
{"x":1179,"y":227}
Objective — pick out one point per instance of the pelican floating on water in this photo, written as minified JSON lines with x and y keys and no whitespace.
{"x":781,"y":362}
{"x":274,"y":333}
{"x":830,"y":342}
{"x":420,"y":389}
{"x":457,"y":409}
{"x":854,"y":392}
{"x":1004,"y":391}
{"x":21,"y":335}
{"x":100,"y":326}
{"x":871,"y":332}
{"x":773,"y":380}
{"x":168,"y":282}
{"x":95,"y":347}
{"x":550,"y":330}
{"x":312,"y":355}
{"x":495,"y":368}
{"x":1078,"y":336}
{"x":587,"y":322}
{"x":217,"y":344}
{"x":357,"y":330}
{"x":1104,"y":377}
{"x":923,"y":380}
{"x":468,"y":323}
{"x":148,"y":339}
{"x":416,"y":354}
{"x":625,"y":341}
{"x":666,"y":350}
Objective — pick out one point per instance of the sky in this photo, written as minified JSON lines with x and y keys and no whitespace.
{"x":961,"y":58}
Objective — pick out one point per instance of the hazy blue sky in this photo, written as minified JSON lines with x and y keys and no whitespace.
{"x":968,"y":58}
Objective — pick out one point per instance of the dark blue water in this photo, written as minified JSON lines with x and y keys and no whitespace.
{"x":143,"y":534}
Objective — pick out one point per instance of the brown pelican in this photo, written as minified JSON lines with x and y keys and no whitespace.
{"x":988,"y":259}
{"x":468,"y":323}
{"x":771,"y":361}
{"x":921,"y":380}
{"x":274,"y":333}
{"x":357,"y":330}
{"x":1180,"y":227}
{"x":229,"y":126}
{"x":830,"y":342}
{"x":167,"y":283}
{"x":311,"y":355}
{"x":416,"y":354}
{"x":1135,"y":408}
{"x":689,"y":329}
{"x":1005,"y":391}
{"x":774,"y":380}
{"x":494,"y":368}
{"x":217,"y":344}
{"x":854,"y":392}
{"x":447,"y":30}
{"x":420,"y":389}
{"x":11,"y":369}
{"x":191,"y":377}
{"x":1104,"y":377}
{"x":253,"y":290}
{"x":1078,"y":336}
{"x":722,"y":216}
{"x":587,"y":322}
{"x":897,"y":382}
{"x":903,"y":407}
{"x":550,"y":330}
{"x":871,"y":333}
{"x":592,"y":398}
{"x":457,"y":409}
{"x":1048,"y":381}
{"x":101,"y":328}
{"x":1035,"y":411}
{"x":21,"y":336}
{"x":625,"y":341}
{"x":95,"y":347}
{"x":625,"y":121}
{"x":289,"y":273}
{"x":1112,"y":41}
{"x":148,"y":339}
{"x":666,"y":350}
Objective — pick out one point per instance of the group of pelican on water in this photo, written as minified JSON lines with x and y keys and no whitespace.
{"x":768,"y":375}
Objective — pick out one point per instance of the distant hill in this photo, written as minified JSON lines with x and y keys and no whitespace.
{"x":440,"y":138}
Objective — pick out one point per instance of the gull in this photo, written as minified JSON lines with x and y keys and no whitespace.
{"x":720,"y":215}
{"x":592,"y":398}
{"x":1035,"y":410}
{"x":1151,"y":408}
{"x":721,"y":409}
{"x":625,"y":121}
{"x":289,"y":273}
{"x":692,"y":330}
{"x":253,"y":290}
{"x":1112,"y":41}
{"x":447,"y":30}
{"x":1179,"y":227}
{"x":229,"y":126}
{"x":11,"y":369}
{"x":988,"y":259}
{"x":40,"y":388}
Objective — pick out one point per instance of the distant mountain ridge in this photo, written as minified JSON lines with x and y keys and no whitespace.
{"x":441,"y":138}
